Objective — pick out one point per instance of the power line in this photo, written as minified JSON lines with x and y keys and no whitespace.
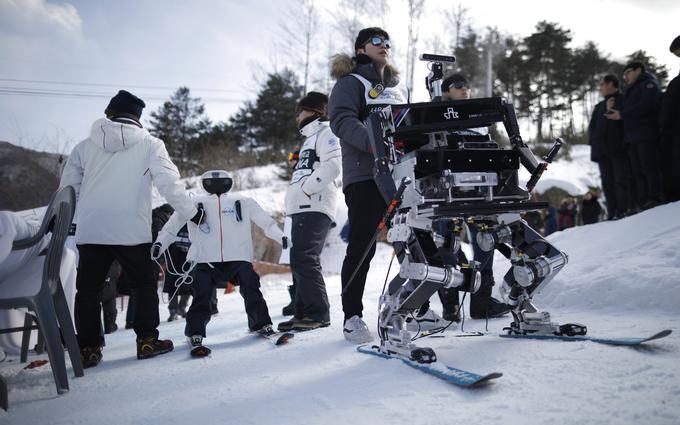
{"x":22,"y":91}
{"x":73,"y":83}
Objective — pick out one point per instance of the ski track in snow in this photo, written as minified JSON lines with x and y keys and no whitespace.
{"x":622,"y":280}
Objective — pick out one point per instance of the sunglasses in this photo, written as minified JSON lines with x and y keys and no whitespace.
{"x":377,"y":41}
{"x":459,"y":85}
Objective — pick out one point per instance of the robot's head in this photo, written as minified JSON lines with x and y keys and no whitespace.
{"x":216,"y":182}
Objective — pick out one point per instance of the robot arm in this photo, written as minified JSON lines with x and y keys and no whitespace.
{"x":527,"y":157}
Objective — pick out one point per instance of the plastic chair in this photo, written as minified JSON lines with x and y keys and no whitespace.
{"x":43,"y":294}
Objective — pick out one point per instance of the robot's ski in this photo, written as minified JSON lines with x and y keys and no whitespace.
{"x":278,"y":338}
{"x":629,"y":341}
{"x":449,"y":374}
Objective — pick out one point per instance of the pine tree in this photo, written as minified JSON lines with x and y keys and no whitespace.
{"x":266,"y":127}
{"x":180,"y":123}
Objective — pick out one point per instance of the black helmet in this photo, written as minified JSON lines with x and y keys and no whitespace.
{"x":216,"y":182}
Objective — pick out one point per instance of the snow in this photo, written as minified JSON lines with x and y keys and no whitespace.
{"x":575,"y":175}
{"x":621,"y":280}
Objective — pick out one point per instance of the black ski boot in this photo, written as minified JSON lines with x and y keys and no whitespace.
{"x":483,"y":305}
{"x":110,"y":325}
{"x":289,"y":310}
{"x":450,"y":304}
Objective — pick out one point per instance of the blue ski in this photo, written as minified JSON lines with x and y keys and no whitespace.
{"x":629,"y":341}
{"x":449,"y":374}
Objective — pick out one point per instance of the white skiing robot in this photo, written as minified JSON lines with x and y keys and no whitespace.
{"x":221,"y":250}
{"x":436,"y":178}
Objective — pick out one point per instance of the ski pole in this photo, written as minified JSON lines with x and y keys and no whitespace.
{"x":387,"y":217}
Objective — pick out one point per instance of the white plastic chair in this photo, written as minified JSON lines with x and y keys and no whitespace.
{"x":42,"y":291}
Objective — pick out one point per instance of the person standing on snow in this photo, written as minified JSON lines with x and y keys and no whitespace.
{"x":365,"y":82}
{"x":608,"y":150}
{"x":310,"y":203}
{"x":222,"y":249}
{"x":112,"y":172}
{"x":641,"y":132}
{"x":669,"y":122}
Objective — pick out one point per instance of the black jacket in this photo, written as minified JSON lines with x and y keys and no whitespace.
{"x":639,"y":111}
{"x":604,"y":135}
{"x":669,"y":120}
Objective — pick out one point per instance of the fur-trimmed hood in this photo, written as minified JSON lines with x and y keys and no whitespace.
{"x":342,"y":64}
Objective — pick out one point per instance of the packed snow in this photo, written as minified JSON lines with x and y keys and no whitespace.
{"x":621,"y":280}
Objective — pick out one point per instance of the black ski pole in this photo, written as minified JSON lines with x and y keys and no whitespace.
{"x":387,"y":217}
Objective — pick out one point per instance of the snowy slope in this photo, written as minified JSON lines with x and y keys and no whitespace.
{"x":622,"y":279}
{"x":319,"y":378}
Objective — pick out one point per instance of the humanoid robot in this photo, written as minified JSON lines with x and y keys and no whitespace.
{"x":433,"y":181}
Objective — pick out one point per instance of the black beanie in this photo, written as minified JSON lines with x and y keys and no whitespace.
{"x":366,"y":34}
{"x":125,"y":103}
{"x":314,"y":102}
{"x":675,"y":44}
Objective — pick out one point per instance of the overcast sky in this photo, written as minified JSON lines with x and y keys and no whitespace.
{"x":84,"y":51}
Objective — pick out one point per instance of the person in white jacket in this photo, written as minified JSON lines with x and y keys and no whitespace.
{"x":310,"y":203}
{"x":112,"y":172}
{"x":222,"y":250}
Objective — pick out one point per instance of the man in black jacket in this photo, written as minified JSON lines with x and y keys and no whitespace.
{"x":669,"y":121}
{"x":641,"y":132}
{"x":607,"y":149}
{"x":366,"y":82}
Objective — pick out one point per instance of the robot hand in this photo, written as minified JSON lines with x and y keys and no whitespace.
{"x":156,"y":251}
{"x":199,"y":218}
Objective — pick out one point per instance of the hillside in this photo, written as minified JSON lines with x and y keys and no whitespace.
{"x":29,"y":178}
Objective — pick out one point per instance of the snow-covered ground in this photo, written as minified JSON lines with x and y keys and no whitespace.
{"x":621,"y":280}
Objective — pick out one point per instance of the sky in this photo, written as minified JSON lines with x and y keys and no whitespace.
{"x":82,"y":52}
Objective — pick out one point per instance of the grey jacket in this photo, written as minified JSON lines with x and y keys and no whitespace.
{"x":348,"y":107}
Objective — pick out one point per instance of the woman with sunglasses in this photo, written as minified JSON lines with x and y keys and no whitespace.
{"x":366,"y":82}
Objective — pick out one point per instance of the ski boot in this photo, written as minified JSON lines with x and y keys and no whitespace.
{"x":198,"y":350}
{"x":90,"y":356}
{"x":151,"y":346}
{"x":483,"y":305}
{"x":289,"y":310}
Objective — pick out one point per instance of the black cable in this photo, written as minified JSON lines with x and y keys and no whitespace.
{"x":23,"y":91}
{"x":71,"y":83}
{"x":387,"y":275}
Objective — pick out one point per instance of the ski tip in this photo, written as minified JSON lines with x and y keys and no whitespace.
{"x":200,"y":352}
{"x":664,"y":333}
{"x":486,"y":379}
{"x":284,"y":338}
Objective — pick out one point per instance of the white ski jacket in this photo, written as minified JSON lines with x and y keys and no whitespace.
{"x":312,"y":187}
{"x":226,"y":234}
{"x":112,"y":172}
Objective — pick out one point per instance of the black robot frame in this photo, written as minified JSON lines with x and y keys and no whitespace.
{"x":437,"y":176}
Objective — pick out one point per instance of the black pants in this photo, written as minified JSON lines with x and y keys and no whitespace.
{"x":365,"y":208}
{"x":616,"y":179}
{"x":485,"y":258}
{"x":308,"y":233}
{"x":93,"y":265}
{"x":109,"y":293}
{"x":644,"y":161}
{"x":670,"y":168}
{"x":206,"y":279}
